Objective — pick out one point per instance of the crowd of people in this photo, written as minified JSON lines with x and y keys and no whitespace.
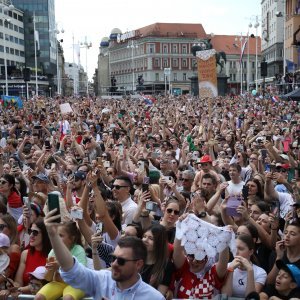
{"x":94,"y":198}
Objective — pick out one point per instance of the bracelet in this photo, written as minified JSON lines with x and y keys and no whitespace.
{"x":230,"y":270}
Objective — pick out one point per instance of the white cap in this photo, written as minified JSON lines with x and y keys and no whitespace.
{"x":39,"y":273}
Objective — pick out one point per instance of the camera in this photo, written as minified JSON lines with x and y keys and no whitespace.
{"x":76,"y":213}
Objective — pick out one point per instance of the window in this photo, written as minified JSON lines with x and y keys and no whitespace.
{"x":253,"y":65}
{"x":174,"y":49}
{"x":150,"y":48}
{"x":1,"y":48}
{"x":234,"y":77}
{"x":22,"y":53}
{"x":230,"y":77}
{"x":156,"y":62}
{"x":15,"y":16}
{"x":165,"y":48}
{"x":17,"y":52}
{"x":12,"y":51}
{"x":230,"y":66}
{"x":184,"y":49}
{"x":175,"y":76}
{"x":245,"y":64}
{"x":165,"y":62}
{"x":16,"y":28}
{"x":156,"y":76}
{"x":184,"y":63}
{"x":11,"y":38}
{"x":234,"y":64}
{"x":175,"y":62}
{"x":184,"y":76}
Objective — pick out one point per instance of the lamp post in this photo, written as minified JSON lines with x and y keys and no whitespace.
{"x":50,"y":89}
{"x":241,"y":60}
{"x":133,"y":46}
{"x":22,"y":87}
{"x":87,"y":45}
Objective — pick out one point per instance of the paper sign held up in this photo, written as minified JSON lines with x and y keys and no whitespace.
{"x":66,"y":108}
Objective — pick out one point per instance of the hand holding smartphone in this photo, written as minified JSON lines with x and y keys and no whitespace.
{"x":53,"y":202}
{"x":232,"y":203}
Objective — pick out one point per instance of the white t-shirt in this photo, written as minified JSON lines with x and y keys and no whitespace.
{"x":285,"y":201}
{"x":128,"y":208}
{"x":234,"y":189}
{"x":239,"y":280}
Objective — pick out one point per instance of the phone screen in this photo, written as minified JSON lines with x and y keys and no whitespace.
{"x":232,"y":204}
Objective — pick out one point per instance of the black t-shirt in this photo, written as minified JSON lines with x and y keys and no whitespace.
{"x":271,"y":291}
{"x":284,"y":259}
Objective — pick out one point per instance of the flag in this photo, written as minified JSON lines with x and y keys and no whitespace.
{"x":148,"y":100}
{"x":243,"y":50}
{"x":274,"y":99}
{"x":37,"y":39}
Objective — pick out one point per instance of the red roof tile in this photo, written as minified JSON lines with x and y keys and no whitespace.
{"x":231,"y":46}
{"x":173,"y":30}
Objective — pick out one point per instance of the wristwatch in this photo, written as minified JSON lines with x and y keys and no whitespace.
{"x":202,"y":214}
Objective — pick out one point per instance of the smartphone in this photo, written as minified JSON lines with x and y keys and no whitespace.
{"x":245,"y":192}
{"x":121,"y":150}
{"x":15,"y":165}
{"x":26,"y":202}
{"x":263,"y":153}
{"x":145,"y":187}
{"x":232,"y":203}
{"x":269,"y":138}
{"x":53,"y":202}
{"x":152,"y":206}
{"x":47,"y":145}
{"x":275,"y":209}
{"x":293,"y":122}
{"x":99,"y":228}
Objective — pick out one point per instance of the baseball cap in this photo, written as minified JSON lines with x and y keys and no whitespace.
{"x":42,"y":177}
{"x":39,"y":273}
{"x":205,"y":159}
{"x":292,"y":269}
{"x":285,"y":166}
{"x":80,"y":175}
{"x":4,"y":240}
{"x":284,"y":156}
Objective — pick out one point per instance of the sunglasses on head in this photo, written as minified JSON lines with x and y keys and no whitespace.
{"x":34,"y":232}
{"x":120,"y":260}
{"x":117,"y":187}
{"x":170,"y":210}
{"x":2,"y":226}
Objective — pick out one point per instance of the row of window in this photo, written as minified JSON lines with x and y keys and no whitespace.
{"x":234,"y":64}
{"x":12,"y":15}
{"x":174,"y":62}
{"x":12,"y":39}
{"x":11,"y":26}
{"x":12,"y":51}
{"x":166,"y":48}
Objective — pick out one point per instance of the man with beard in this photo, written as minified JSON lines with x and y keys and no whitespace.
{"x":122,"y":281}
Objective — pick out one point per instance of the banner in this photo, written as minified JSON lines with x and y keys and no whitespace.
{"x":11,"y":101}
{"x":207,"y":73}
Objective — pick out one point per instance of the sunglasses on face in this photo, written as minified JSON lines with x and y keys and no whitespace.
{"x":3,"y":182}
{"x":117,"y":187}
{"x":33,"y":232}
{"x":120,"y":260}
{"x":170,"y":210}
{"x":2,"y":226}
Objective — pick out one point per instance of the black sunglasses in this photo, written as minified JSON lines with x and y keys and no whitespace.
{"x":117,"y":187}
{"x":170,"y":210}
{"x":33,"y":232}
{"x":2,"y":226}
{"x":120,"y":260}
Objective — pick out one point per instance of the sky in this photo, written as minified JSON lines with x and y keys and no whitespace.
{"x":91,"y":20}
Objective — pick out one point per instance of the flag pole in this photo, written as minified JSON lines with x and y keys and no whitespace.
{"x":35,"y":57}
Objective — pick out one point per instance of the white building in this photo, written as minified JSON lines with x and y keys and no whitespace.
{"x":273,"y":16}
{"x":72,"y":71}
{"x":12,"y":49}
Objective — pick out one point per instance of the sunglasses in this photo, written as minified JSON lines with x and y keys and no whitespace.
{"x":2,"y":226}
{"x":170,"y":210}
{"x":3,"y":182}
{"x":33,"y":232}
{"x":117,"y":187}
{"x":120,"y":260}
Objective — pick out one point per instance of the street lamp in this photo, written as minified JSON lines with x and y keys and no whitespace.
{"x":241,"y":60}
{"x":50,"y":94}
{"x":87,"y":45}
{"x":133,"y":46}
{"x":22,"y":87}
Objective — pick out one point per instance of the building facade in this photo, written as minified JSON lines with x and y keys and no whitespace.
{"x":12,"y":50}
{"x":273,"y":19}
{"x":44,"y":22}
{"x":160,"y":56}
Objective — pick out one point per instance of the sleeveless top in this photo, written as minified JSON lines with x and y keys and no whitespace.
{"x":33,"y":260}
